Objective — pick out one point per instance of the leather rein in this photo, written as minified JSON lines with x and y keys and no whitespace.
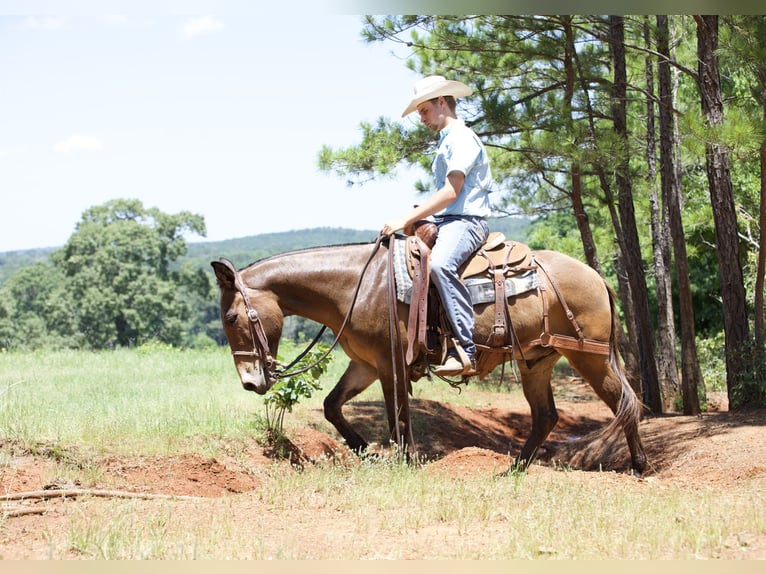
{"x":272,"y":368}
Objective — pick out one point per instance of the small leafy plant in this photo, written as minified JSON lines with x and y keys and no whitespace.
{"x":286,"y":393}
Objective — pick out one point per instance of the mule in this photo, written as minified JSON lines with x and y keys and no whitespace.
{"x":323,"y":283}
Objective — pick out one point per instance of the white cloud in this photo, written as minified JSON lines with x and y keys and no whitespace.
{"x":117,"y":19}
{"x":43,"y":23}
{"x":78,"y":142}
{"x":202,"y":25}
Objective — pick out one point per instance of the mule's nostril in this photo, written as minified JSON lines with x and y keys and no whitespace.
{"x":250,"y":386}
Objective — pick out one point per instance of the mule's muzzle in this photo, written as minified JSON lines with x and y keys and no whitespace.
{"x":260,"y":389}
{"x":252,"y":376}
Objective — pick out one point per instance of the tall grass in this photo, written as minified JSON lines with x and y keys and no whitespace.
{"x":165,"y":401}
{"x":145,"y":400}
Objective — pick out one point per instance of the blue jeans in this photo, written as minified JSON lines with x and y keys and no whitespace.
{"x":458,"y":239}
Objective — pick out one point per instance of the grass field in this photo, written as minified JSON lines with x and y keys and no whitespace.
{"x":150,"y":401}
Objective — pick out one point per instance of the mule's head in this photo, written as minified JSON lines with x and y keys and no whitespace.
{"x":242,"y":310}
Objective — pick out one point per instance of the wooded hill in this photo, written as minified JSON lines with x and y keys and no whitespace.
{"x":245,"y":250}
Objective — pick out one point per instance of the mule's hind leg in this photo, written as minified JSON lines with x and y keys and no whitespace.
{"x":357,"y":377}
{"x":536,"y":382}
{"x":612,"y":387}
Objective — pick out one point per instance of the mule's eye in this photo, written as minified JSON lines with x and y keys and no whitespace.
{"x":231,"y":317}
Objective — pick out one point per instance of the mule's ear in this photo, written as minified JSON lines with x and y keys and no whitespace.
{"x":224,"y":273}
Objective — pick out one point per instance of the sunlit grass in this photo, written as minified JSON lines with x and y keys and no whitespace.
{"x":123,"y":401}
{"x":156,"y":400}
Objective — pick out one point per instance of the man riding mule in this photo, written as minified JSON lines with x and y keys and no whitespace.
{"x":459,"y":208}
{"x":568,"y":312}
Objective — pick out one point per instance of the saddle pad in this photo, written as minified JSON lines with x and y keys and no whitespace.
{"x":401,"y":274}
{"x":481,"y":288}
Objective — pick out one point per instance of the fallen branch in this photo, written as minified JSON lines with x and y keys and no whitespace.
{"x":11,"y":512}
{"x":75,"y":492}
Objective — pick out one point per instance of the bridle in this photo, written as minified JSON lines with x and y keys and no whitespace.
{"x":257,"y":334}
{"x":273,"y":370}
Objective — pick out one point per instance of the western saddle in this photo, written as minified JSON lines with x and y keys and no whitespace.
{"x":428,"y":330}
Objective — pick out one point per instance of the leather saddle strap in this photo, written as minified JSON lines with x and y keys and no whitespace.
{"x":568,"y":312}
{"x":547,"y":339}
{"x":500,"y":328}
{"x":418,"y":319}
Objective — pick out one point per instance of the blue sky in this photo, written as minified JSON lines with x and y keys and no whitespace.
{"x":220,"y":114}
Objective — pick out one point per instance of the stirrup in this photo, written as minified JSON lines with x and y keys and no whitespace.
{"x":462,"y":355}
{"x":460,"y":365}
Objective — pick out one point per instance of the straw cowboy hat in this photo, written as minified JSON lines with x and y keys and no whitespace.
{"x":434,"y":86}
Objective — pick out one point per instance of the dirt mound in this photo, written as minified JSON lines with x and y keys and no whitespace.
{"x":183,"y":475}
{"x":186,"y":475}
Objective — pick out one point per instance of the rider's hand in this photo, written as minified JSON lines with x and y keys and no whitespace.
{"x":391,"y":227}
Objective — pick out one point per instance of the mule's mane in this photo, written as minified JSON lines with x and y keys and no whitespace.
{"x":304,"y":250}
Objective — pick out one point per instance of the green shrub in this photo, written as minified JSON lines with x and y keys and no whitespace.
{"x":286,"y":392}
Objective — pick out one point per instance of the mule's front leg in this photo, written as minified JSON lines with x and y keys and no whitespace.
{"x":357,"y":377}
{"x":396,"y":395}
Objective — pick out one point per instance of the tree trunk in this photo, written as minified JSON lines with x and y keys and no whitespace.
{"x":583,"y":223}
{"x":670,"y":193}
{"x":627,"y":344}
{"x":633,"y":262}
{"x":760,"y":271}
{"x":689,"y":360}
{"x":735,"y":318}
{"x":578,"y":207}
{"x":627,"y":348}
{"x":667,"y":366}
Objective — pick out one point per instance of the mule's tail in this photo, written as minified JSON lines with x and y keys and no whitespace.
{"x":629,"y":410}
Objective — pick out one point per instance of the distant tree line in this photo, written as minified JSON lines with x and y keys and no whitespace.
{"x":113,"y":284}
